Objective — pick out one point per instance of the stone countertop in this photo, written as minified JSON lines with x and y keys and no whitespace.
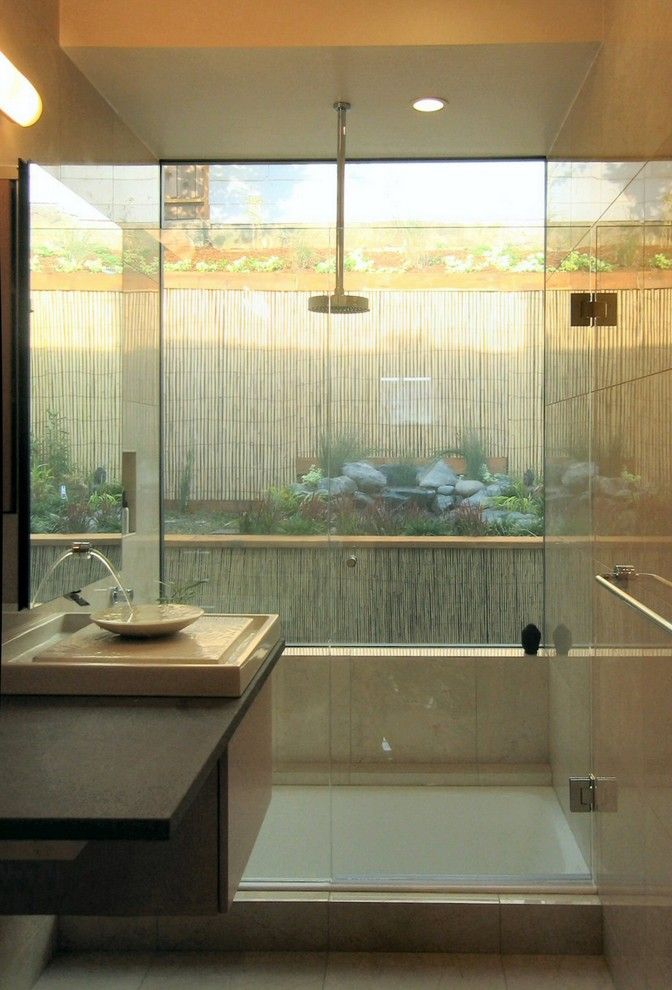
{"x":78,"y":768}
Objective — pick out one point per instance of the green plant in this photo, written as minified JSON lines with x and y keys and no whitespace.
{"x":176,"y":592}
{"x":312,"y":477}
{"x":426,"y":525}
{"x":579,"y":261}
{"x":467,"y":520}
{"x":338,"y":449}
{"x":51,"y":450}
{"x":299,"y":525}
{"x":472,"y":450}
{"x":519,"y":497}
{"x":284,"y":500}
{"x":661,"y":261}
{"x":263,"y":517}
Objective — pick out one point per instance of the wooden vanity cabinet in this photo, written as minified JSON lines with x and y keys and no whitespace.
{"x":195,"y":871}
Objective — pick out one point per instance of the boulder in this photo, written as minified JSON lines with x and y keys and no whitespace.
{"x":446,"y":490}
{"x":304,"y":491}
{"x":611,"y":487}
{"x":577,"y":476}
{"x":421,"y":496}
{"x":437,"y":475}
{"x":480,"y":499}
{"x":522,"y":520}
{"x":466,"y":488}
{"x":363,"y":498}
{"x":442,"y":503}
{"x":400,"y":475}
{"x":494,"y":515}
{"x":366,"y":477}
{"x":337,"y":486}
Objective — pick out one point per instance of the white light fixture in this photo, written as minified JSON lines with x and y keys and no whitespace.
{"x":429,"y":104}
{"x":18,"y":98}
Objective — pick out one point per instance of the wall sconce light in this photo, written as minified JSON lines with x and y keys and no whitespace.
{"x":18,"y":98}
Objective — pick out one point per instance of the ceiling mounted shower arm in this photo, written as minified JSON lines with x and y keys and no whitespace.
{"x":341,"y":108}
{"x":339,"y":302}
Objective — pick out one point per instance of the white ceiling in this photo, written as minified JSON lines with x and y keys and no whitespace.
{"x":201,"y":103}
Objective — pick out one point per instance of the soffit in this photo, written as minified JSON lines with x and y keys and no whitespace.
{"x":505,"y":100}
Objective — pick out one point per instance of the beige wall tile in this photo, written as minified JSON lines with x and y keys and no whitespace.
{"x":26,"y":945}
{"x":419,"y":711}
{"x":358,"y":926}
{"x":573,"y":929}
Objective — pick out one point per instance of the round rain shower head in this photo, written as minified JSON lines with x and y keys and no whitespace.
{"x":339,"y":303}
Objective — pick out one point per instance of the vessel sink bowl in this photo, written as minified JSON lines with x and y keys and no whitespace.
{"x":216,"y":656}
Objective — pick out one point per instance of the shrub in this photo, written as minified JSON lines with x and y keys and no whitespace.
{"x":467,"y":520}
{"x":578,"y":261}
{"x":338,"y":449}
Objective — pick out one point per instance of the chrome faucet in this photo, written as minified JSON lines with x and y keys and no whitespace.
{"x":83,"y":548}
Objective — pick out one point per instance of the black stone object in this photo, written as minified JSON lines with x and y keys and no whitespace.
{"x":531,"y":638}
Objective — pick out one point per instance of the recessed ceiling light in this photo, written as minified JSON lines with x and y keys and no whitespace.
{"x":429,"y":104}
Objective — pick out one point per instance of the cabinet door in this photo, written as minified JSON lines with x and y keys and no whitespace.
{"x":245,"y":792}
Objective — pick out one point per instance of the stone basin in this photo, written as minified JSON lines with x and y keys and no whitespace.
{"x":217,"y":656}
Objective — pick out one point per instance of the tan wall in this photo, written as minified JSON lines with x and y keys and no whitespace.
{"x":262,"y":23}
{"x":77,"y":125}
{"x":623,"y":108}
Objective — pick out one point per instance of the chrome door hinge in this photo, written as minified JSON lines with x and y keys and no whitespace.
{"x":594,"y":309}
{"x":593,"y":793}
{"x":582,"y":793}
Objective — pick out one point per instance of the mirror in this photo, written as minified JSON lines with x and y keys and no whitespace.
{"x":85,"y":224}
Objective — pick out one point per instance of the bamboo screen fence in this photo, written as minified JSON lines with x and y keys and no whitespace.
{"x":252,"y":381}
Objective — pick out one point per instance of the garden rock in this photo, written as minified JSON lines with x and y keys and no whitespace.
{"x":611,"y":487}
{"x":363,"y":499}
{"x":421,"y":496}
{"x":399,"y":475}
{"x":494,"y":515}
{"x":480,"y":499}
{"x":442,"y":503}
{"x":366,"y":477}
{"x":446,"y":489}
{"x":494,"y":490}
{"x":522,"y":520}
{"x":578,"y":475}
{"x":467,"y":488}
{"x":303,"y":491}
{"x":341,"y":485}
{"x":437,"y":475}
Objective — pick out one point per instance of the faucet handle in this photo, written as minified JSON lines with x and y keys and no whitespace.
{"x":119,"y":596}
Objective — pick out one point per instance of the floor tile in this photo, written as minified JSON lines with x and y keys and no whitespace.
{"x":322,"y":971}
{"x":473,"y":972}
{"x":384,"y":971}
{"x":236,"y":971}
{"x":556,"y":973}
{"x":95,"y":971}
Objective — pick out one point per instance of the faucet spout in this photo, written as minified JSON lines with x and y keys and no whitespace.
{"x":82,"y":548}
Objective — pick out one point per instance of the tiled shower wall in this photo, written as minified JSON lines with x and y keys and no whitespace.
{"x":607,"y":403}
{"x":608,"y":397}
{"x":374,"y":718}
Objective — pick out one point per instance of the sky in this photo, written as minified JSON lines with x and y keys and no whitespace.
{"x":435,"y":193}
